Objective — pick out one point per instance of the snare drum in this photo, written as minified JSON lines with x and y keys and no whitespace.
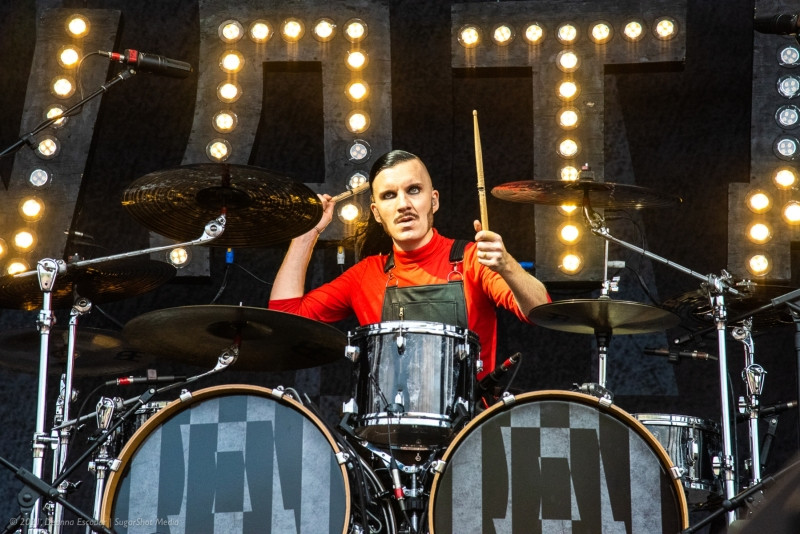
{"x":414,"y":381}
{"x":691,"y":443}
{"x":231,"y":459}
{"x":555,"y":461}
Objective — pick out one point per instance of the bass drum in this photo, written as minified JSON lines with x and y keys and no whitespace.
{"x":229,"y":459}
{"x":556,"y":461}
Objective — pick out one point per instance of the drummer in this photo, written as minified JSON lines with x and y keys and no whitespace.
{"x":423,"y":276}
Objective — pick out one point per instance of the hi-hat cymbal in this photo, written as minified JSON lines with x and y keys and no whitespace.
{"x":261,"y":208}
{"x":599,"y":194}
{"x":603,"y":315}
{"x":99,"y":282}
{"x":97,"y":352}
{"x":270,"y":340}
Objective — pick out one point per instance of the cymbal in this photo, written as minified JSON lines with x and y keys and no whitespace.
{"x":694,"y":307}
{"x":599,"y":194}
{"x":97,"y":352}
{"x":270,"y":340}
{"x":603,"y":315}
{"x":261,"y":208}
{"x":99,"y":282}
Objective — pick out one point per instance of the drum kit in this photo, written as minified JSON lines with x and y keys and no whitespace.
{"x":415,"y":450}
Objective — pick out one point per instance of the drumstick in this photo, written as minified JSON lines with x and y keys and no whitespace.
{"x":479,"y":166}
{"x":349,"y":193}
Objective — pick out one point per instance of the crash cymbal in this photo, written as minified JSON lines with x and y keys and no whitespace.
{"x":599,"y":194}
{"x":98,"y":352}
{"x":603,"y":315}
{"x":695,"y":310}
{"x":270,"y":340}
{"x":261,"y":208}
{"x":99,"y":282}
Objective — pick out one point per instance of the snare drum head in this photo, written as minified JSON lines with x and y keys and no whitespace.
{"x":555,"y":461}
{"x":232,"y":459}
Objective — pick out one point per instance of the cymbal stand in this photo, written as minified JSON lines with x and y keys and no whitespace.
{"x":753,"y":377}
{"x":60,"y":439}
{"x":47,"y":271}
{"x":716,"y":287}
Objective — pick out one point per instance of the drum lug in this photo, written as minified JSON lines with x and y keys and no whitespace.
{"x":342,"y":457}
{"x":185,"y":395}
{"x":437,"y":467}
{"x":508,"y":399}
{"x":676,"y":473}
{"x":350,"y":406}
{"x":115,"y":464}
{"x":278,"y":392}
{"x":352,"y":352}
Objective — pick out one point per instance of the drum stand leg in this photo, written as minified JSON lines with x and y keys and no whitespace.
{"x":753,"y":376}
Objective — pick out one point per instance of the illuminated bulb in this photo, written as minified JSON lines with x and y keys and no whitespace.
{"x":78,"y":26}
{"x":324,"y":30}
{"x":231,"y":61}
{"x":3,"y":247}
{"x":62,"y":87}
{"x":569,"y":234}
{"x":567,"y":33}
{"x":665,"y":28}
{"x":357,"y":121}
{"x":355,"y":30}
{"x":571,"y":263}
{"x":356,"y":60}
{"x":758,"y":201}
{"x":759,"y":233}
{"x":567,"y":209}
{"x":568,"y":118}
{"x":357,"y":91}
{"x":502,"y":34}
{"x":68,"y":57}
{"x":260,"y":31}
{"x":228,"y":92}
{"x":791,"y":212}
{"x":567,"y":90}
{"x":230,"y":31}
{"x":568,"y":148}
{"x":469,"y":36}
{"x":759,"y":264}
{"x":179,"y":257}
{"x":534,"y":33}
{"x":225,"y":121}
{"x":31,"y":209}
{"x":16,"y":266}
{"x":218,"y":150}
{"x":24,"y":240}
{"x":292,"y":30}
{"x":569,"y":173}
{"x":567,"y":61}
{"x":48,"y":147}
{"x":601,"y":32}
{"x":349,"y":212}
{"x":785,"y":178}
{"x":633,"y":30}
{"x":56,"y":111}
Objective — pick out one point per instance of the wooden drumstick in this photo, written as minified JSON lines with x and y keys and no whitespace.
{"x":350,"y":192}
{"x":479,"y":166}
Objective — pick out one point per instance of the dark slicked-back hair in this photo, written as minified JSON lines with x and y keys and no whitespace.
{"x":389,"y":160}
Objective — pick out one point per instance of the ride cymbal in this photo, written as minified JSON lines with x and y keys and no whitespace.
{"x":97,"y":352}
{"x":261,"y":208}
{"x":603,"y":315}
{"x":269,"y":340}
{"x":99,"y":282}
{"x":599,"y":194}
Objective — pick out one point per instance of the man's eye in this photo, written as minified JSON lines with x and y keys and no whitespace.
{"x":413,"y":190}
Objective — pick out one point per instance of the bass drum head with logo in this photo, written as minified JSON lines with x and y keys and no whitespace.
{"x":231,"y":459}
{"x":553,"y":462}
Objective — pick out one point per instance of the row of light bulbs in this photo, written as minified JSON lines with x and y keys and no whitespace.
{"x":785,"y":147}
{"x":599,"y":32}
{"x":31,"y":208}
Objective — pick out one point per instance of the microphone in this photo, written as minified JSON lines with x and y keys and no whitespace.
{"x":129,"y":380}
{"x":150,"y":63}
{"x":674,"y":355}
{"x":493,"y":378}
{"x":780,"y":24}
{"x":766,"y":411}
{"x":397,"y":486}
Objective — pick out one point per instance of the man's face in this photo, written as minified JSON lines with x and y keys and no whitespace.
{"x":404,"y":202}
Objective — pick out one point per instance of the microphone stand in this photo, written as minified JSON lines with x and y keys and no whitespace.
{"x":27,"y":139}
{"x":48,"y":270}
{"x":716,"y":286}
